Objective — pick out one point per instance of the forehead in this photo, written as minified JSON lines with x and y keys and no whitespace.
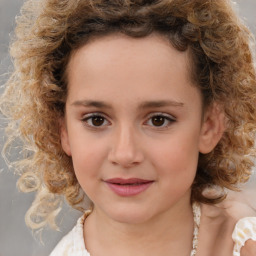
{"x":115,"y":65}
{"x":118,"y":50}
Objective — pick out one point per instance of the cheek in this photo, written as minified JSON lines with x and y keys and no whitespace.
{"x":87,"y":155}
{"x":177,"y":172}
{"x":177,"y":158}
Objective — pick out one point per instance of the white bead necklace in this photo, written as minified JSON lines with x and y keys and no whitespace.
{"x":197,"y":216}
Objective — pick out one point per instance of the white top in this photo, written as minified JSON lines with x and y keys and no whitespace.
{"x":73,"y":243}
{"x":245,"y":229}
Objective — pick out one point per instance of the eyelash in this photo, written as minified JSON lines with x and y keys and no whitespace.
{"x":87,"y":119}
{"x":168,"y":120}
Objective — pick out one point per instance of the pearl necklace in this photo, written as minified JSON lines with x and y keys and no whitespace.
{"x":197,"y":216}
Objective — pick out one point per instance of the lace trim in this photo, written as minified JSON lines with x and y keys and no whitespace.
{"x":245,"y":229}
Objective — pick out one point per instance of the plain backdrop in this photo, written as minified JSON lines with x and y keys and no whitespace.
{"x":15,"y":238}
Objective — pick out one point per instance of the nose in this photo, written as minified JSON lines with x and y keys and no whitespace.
{"x":125,"y":150}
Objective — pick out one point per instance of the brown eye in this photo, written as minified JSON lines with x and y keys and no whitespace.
{"x":161,"y":120}
{"x":97,"y":120}
{"x":158,"y":120}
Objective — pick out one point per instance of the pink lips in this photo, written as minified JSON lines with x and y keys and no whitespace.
{"x":128,"y":187}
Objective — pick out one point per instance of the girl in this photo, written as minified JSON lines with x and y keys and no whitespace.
{"x":145,"y":107}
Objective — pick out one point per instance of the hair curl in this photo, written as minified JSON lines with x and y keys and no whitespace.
{"x":47,"y":33}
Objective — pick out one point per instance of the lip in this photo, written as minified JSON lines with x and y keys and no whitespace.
{"x":128,"y":187}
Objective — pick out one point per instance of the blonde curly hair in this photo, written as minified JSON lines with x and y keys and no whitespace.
{"x":47,"y":33}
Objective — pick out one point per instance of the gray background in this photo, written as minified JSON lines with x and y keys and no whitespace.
{"x":15,"y":238}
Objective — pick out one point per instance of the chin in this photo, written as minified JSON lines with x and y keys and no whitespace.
{"x":130,"y":215}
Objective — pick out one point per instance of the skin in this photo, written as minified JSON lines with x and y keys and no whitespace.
{"x":249,"y":249}
{"x":128,"y":82}
{"x":220,"y":220}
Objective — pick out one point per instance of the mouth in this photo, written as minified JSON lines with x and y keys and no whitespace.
{"x":128,"y":187}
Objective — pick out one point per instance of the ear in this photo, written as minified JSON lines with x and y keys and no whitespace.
{"x":212,"y":128}
{"x":64,"y":137}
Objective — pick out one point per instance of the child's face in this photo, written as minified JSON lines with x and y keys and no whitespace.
{"x":133,"y":126}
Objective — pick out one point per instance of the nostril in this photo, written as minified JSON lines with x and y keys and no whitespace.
{"x":125,"y":150}
{"x":125,"y":159}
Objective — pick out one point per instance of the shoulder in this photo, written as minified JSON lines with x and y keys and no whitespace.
{"x":234,"y":222}
{"x":73,"y":243}
{"x":244,"y":237}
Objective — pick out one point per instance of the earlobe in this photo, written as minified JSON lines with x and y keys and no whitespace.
{"x":64,"y":138}
{"x":212,"y":128}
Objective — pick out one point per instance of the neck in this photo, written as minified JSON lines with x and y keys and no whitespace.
{"x":169,"y":233}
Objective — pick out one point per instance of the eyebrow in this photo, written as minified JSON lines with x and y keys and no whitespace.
{"x":143,"y":105}
{"x":91,"y":103}
{"x":160,"y":103}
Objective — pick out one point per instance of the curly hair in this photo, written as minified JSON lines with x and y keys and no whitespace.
{"x":47,"y":33}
